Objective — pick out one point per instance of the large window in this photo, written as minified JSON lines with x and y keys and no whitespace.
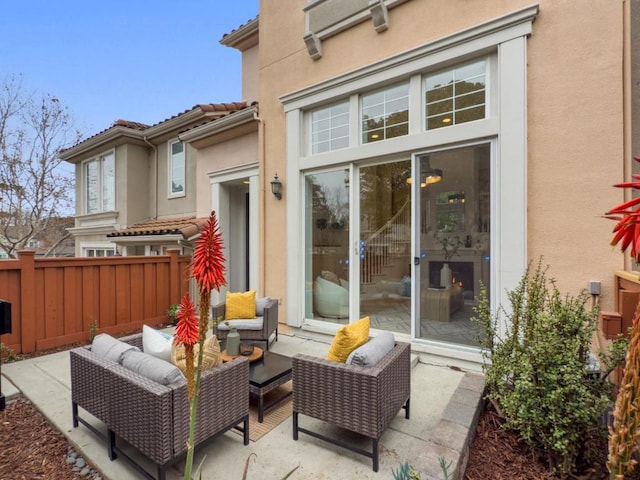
{"x":385,"y":113}
{"x":177,"y":169}
{"x":455,"y":96}
{"x":100,"y":184}
{"x":330,"y":128}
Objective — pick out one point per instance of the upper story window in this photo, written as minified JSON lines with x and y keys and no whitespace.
{"x":385,"y":113}
{"x":100,"y":183}
{"x":330,"y":128}
{"x":455,"y":96}
{"x":177,"y":169}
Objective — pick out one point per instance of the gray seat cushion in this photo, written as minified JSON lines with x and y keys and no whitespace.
{"x":243,"y":324}
{"x":373,"y":351}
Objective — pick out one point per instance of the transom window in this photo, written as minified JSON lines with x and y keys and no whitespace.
{"x":330,"y":128}
{"x":385,"y":113}
{"x":455,"y":96}
{"x":100,"y":184}
{"x":177,"y":169}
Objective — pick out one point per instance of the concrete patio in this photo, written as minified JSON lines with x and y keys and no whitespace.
{"x":445,"y":405}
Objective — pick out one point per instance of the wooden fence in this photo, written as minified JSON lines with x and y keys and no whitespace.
{"x":58,"y":301}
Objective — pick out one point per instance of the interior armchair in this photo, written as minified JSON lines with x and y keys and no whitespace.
{"x":255,"y":319}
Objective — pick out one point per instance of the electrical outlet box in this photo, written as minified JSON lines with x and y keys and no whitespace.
{"x":594,"y":287}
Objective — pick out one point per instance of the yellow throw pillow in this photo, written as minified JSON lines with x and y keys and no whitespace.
{"x":240,"y":305}
{"x":347,"y":339}
{"x":211,"y":356}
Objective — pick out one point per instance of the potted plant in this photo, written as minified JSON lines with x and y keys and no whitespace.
{"x":172,"y":313}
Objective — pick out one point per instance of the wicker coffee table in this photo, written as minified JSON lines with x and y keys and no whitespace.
{"x":266,"y":374}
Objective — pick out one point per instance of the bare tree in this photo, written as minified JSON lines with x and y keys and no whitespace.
{"x":34,"y":191}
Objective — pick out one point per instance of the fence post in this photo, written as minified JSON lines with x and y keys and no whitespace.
{"x":27,"y":300}
{"x":175,"y":276}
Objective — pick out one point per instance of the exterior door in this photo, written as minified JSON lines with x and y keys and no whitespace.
{"x":453,"y":231}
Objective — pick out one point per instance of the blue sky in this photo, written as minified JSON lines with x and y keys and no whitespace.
{"x":136,"y":60}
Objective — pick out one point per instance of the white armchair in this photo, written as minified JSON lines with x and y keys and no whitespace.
{"x":330,"y":299}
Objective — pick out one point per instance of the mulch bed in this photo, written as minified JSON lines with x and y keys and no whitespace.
{"x":498,"y":454}
{"x":30,"y":448}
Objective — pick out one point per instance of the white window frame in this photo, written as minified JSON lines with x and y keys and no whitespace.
{"x":454,"y":69}
{"x":170,"y":169}
{"x":385,"y":106}
{"x":102,"y":186}
{"x":504,"y":40}
{"x":333,"y":126}
{"x":101,"y":246}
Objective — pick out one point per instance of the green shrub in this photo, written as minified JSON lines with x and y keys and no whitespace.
{"x":536,"y":368}
{"x":7,"y":354}
{"x":172,"y":313}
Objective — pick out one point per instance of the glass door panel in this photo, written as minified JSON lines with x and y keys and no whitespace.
{"x":385,"y":245}
{"x":327,"y":246}
{"x":454,"y":229}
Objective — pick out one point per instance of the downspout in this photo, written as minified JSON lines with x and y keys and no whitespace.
{"x":261,"y":213}
{"x":626,"y":97}
{"x":155,"y":183}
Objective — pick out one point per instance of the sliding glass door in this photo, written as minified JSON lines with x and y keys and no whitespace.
{"x":390,"y":265}
{"x":327,"y":246}
{"x":453,"y":235}
{"x":385,"y":245}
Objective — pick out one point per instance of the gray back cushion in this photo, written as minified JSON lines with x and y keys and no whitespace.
{"x":261,"y":303}
{"x":151,"y":367}
{"x":373,"y":351}
{"x":106,"y":346}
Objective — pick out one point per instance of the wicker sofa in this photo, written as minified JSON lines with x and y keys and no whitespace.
{"x":267,"y":321}
{"x":152,"y":417}
{"x":360,"y":399}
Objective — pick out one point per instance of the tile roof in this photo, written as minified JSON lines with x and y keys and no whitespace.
{"x":206,"y":108}
{"x":185,"y":226}
{"x":128,"y":124}
{"x":240,"y":27}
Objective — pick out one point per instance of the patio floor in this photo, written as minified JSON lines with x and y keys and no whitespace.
{"x":445,"y":405}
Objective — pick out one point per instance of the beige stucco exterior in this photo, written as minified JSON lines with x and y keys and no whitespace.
{"x":575,"y":148}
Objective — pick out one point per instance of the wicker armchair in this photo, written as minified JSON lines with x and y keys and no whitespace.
{"x":359,"y":399}
{"x":151,"y":417}
{"x":269,"y":324}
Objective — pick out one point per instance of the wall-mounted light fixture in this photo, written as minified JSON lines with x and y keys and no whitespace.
{"x":276,"y":187}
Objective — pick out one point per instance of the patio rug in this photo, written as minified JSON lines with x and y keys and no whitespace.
{"x":273,"y":416}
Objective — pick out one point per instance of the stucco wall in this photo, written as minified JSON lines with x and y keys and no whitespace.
{"x":250,"y":75}
{"x":177,"y":206}
{"x":235,"y":152}
{"x":575,"y":120}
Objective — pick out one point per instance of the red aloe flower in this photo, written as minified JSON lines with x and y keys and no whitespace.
{"x":187,"y":328}
{"x":627,"y":214}
{"x":208,"y":259}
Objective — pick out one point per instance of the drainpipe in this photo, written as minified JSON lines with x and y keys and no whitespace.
{"x":261,"y":213}
{"x":155,"y":184}
{"x":626,"y":97}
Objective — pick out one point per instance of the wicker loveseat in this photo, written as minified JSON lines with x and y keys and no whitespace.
{"x":360,"y":399}
{"x":259,"y":329}
{"x":152,"y":417}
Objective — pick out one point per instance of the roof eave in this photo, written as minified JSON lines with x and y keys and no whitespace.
{"x":222,"y":124}
{"x":244,"y":37}
{"x":98,"y":140}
